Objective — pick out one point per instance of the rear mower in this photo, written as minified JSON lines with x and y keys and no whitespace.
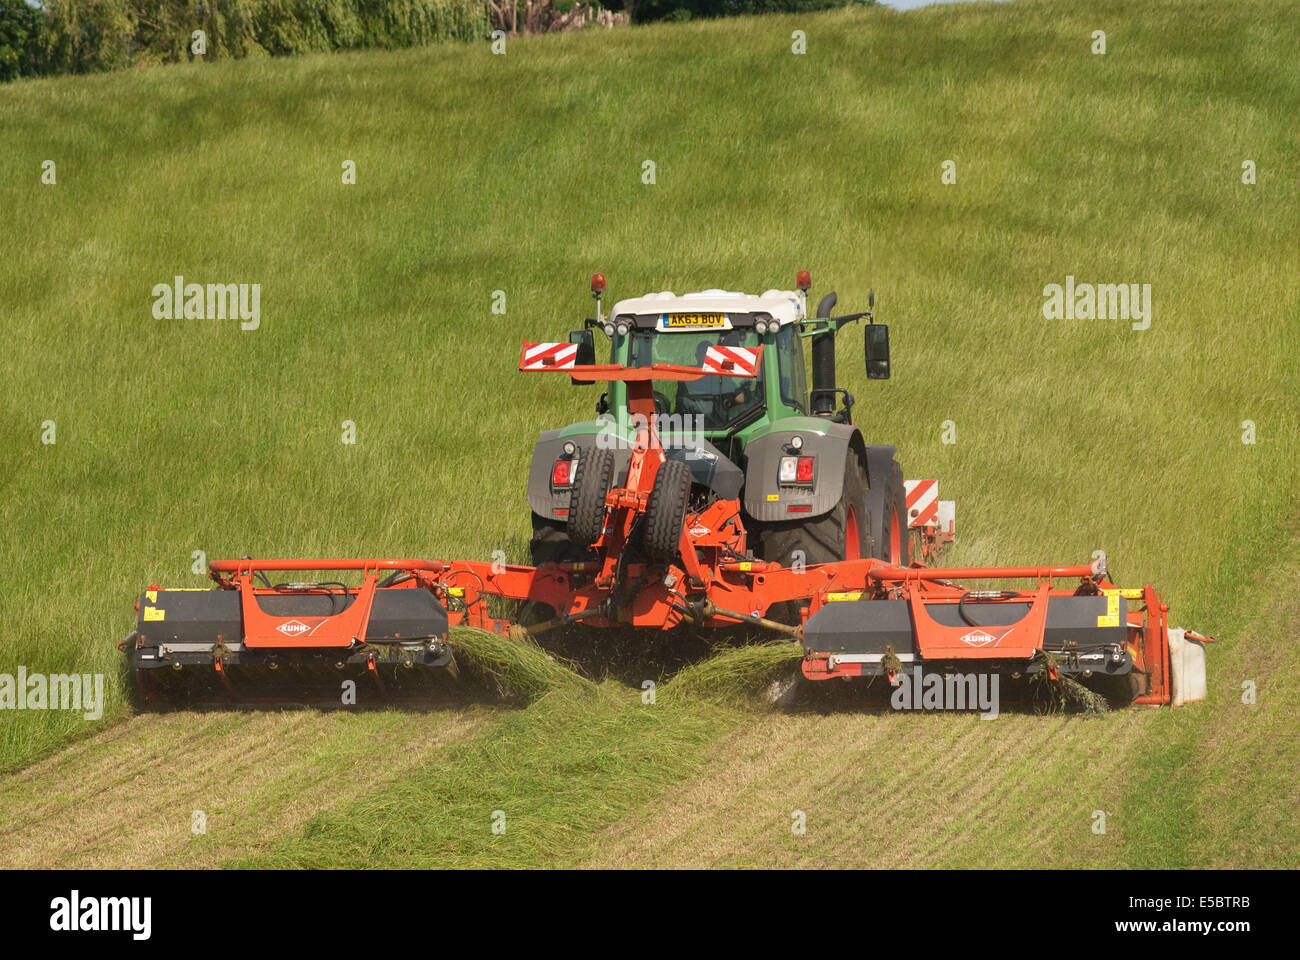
{"x":713,"y":490}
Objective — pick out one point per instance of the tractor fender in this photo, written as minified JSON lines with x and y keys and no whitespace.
{"x":550,"y":447}
{"x":768,"y":501}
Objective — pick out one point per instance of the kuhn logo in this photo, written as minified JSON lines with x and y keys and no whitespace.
{"x":699,"y":530}
{"x":978,"y":638}
{"x":293,"y":628}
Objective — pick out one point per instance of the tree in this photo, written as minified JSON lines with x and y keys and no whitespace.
{"x":20,"y":25}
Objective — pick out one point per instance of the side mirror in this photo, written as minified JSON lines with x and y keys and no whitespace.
{"x":877,"y":343}
{"x":586,"y":353}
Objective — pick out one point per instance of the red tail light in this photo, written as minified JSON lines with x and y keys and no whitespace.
{"x":804,"y":473}
{"x":562,"y":473}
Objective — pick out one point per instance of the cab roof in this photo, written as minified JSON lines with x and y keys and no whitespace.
{"x":784,"y":306}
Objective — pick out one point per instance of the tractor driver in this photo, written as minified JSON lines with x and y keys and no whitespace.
{"x":713,"y":397}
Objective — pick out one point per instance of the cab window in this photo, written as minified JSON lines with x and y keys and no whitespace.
{"x":720,"y":401}
{"x":794,"y":381}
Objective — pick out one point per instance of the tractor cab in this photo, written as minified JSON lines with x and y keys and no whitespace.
{"x":715,"y":404}
{"x":696,"y":329}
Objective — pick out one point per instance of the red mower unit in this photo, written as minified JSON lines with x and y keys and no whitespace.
{"x":714,"y":489}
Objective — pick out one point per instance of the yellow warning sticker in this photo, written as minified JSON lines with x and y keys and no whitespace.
{"x":455,"y":591}
{"x":1111,"y":619}
{"x":773,"y":496}
{"x":1129,"y":593}
{"x":152,"y":595}
{"x":155,"y":613}
{"x":835,"y":597}
{"x":746,"y":566}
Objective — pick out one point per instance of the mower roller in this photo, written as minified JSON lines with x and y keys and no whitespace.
{"x":773,"y":513}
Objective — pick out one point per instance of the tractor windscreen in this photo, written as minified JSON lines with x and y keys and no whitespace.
{"x":721,"y":401}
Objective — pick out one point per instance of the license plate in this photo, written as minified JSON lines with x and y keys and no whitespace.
{"x":696,"y":320}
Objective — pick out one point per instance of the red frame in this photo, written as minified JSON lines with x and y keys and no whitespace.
{"x":263,"y":630}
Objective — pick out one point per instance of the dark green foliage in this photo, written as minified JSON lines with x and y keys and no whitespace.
{"x":85,"y":36}
{"x":19,"y":32}
{"x":644,"y":11}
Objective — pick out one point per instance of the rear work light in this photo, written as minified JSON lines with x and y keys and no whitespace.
{"x":796,"y":470}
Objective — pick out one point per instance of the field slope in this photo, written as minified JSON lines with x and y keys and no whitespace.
{"x":524,"y":173}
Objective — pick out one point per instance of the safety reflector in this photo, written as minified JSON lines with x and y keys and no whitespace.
{"x":736,"y":361}
{"x":549,"y":356}
{"x":922,"y":502}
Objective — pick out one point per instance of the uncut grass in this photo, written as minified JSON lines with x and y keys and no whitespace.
{"x":176,"y":436}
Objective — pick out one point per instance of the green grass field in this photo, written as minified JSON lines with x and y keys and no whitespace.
{"x":523,"y":173}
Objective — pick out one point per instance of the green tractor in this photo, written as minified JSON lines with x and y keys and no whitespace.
{"x":811,"y":488}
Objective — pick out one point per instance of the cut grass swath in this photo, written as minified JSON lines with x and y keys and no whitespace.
{"x":513,"y":669}
{"x":736,"y":675}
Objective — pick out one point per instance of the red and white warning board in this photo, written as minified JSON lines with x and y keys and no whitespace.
{"x":732,"y":361}
{"x":935,"y":519}
{"x":922,"y":502}
{"x":548,"y":356}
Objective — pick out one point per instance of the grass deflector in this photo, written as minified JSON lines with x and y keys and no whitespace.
{"x":713,"y":490}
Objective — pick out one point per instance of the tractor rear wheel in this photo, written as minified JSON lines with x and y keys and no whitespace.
{"x":593,"y":477}
{"x":551,"y":543}
{"x":887,"y":505}
{"x":838,"y":535}
{"x":670,"y":499}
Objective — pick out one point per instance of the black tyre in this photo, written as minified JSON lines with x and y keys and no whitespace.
{"x":550,"y":542}
{"x":887,"y":509}
{"x":592,"y":480}
{"x":665,"y":516}
{"x":840,"y":534}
